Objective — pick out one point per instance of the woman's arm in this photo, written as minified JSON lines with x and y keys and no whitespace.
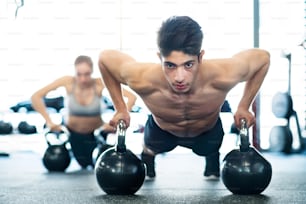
{"x":38,"y":102}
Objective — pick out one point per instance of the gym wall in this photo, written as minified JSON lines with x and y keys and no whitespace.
{"x":42,"y":41}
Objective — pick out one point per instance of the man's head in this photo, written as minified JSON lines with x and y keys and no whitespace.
{"x":180,"y":41}
{"x":180,"y":33}
{"x":83,"y":69}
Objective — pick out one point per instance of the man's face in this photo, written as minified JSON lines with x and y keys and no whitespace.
{"x":180,"y":70}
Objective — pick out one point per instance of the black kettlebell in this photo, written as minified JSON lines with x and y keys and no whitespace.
{"x":245,"y":170}
{"x":25,"y":128}
{"x":5,"y":128}
{"x":281,"y":139}
{"x":119,"y":171}
{"x":56,"y":156}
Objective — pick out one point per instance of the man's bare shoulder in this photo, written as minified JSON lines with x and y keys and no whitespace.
{"x":222,"y":72}
{"x":217,"y":67}
{"x":137,"y":69}
{"x":219,"y":63}
{"x":144,"y":76}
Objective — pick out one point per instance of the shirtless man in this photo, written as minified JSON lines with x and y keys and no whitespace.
{"x":185,"y":92}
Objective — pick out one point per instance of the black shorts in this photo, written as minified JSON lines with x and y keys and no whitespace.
{"x":160,"y":141}
{"x":82,"y":146}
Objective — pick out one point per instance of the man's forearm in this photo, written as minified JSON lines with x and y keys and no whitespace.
{"x":253,"y":85}
{"x":114,"y":88}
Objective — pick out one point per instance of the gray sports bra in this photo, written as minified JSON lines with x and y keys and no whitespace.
{"x":77,"y":109}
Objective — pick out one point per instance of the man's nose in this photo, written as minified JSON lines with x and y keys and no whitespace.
{"x":179,"y":75}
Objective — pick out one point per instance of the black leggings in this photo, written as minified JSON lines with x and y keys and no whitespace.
{"x":82,"y":146}
{"x":160,"y":141}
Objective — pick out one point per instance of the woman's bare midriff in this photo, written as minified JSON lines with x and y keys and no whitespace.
{"x":84,"y":124}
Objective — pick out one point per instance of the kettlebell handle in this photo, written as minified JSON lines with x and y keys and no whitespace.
{"x":244,"y":136}
{"x":121,"y":132}
{"x":64,"y":130}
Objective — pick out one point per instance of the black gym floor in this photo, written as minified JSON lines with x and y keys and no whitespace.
{"x":23,"y":179}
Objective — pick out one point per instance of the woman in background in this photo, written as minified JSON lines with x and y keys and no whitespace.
{"x":84,"y":95}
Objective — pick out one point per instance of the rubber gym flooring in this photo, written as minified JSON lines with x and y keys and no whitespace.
{"x":23,"y":179}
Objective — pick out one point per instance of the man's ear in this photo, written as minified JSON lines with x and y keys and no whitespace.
{"x":200,"y":56}
{"x":159,"y":55}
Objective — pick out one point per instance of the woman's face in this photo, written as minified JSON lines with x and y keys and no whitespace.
{"x":83,"y":73}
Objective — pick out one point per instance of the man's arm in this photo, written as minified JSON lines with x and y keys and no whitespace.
{"x":113,"y":67}
{"x":131,"y":99}
{"x":256,"y":63}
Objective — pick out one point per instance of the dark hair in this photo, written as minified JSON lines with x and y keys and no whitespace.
{"x":180,"y":33}
{"x":82,"y":58}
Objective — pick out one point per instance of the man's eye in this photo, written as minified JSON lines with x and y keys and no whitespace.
{"x":189,"y":65}
{"x":170,"y":66}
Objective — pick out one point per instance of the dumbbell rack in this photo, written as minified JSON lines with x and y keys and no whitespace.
{"x":303,"y":44}
{"x":283,"y":134}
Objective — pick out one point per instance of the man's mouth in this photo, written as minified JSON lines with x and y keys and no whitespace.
{"x":180,"y":86}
